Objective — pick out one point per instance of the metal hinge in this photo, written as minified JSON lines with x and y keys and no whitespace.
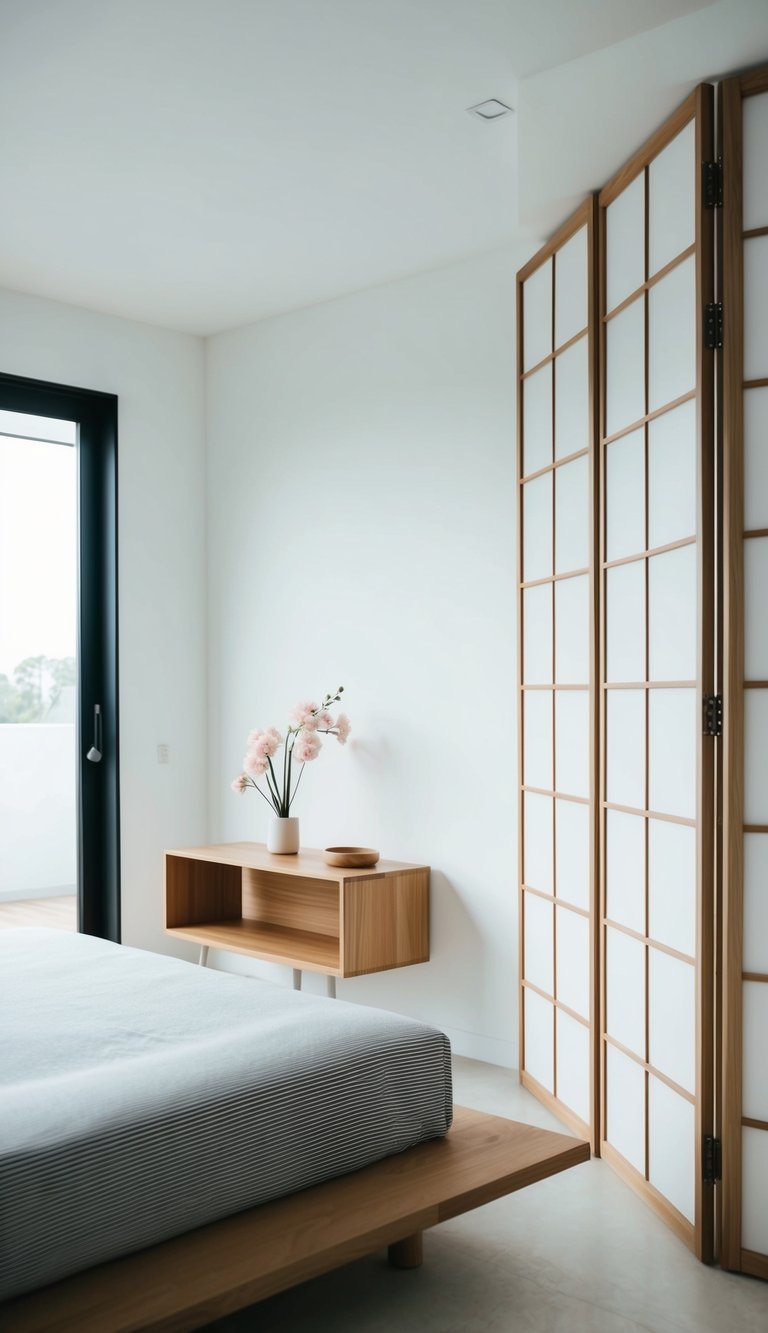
{"x":711,"y":1159}
{"x":712,"y":184}
{"x":713,"y":325}
{"x":713,"y":714}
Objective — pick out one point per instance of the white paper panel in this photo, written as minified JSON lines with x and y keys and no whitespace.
{"x":672,"y":475}
{"x":625,"y":990}
{"x":572,"y":400}
{"x":537,"y":635}
{"x":672,"y":1018}
{"x":572,"y":516}
{"x":672,"y":885}
{"x":539,"y":947}
{"x":625,"y":747}
{"x":756,"y":902}
{"x":571,"y":288}
{"x":572,"y":631}
{"x":672,"y":1146}
{"x":572,"y":852}
{"x":673,"y":736}
{"x":537,"y":420}
{"x":755,"y":751}
{"x":672,"y":336}
{"x":572,"y":960}
{"x":625,"y":243}
{"x":573,"y":1064}
{"x":625,"y":869}
{"x":537,"y":528}
{"x":754,"y":111}
{"x":755,"y":1043}
{"x":672,"y":182}
{"x":755,"y":458}
{"x":537,"y":738}
{"x":537,"y":316}
{"x":756,"y":608}
{"x":754,"y":1190}
{"x":625,"y":496}
{"x":625,"y":1128}
{"x":572,"y":742}
{"x":540,"y":1039}
{"x":625,"y":622}
{"x":756,"y":307}
{"x":672,"y":617}
{"x":625,"y":362}
{"x":538,"y":855}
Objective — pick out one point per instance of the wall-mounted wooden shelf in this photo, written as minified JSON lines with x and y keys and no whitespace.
{"x":297,"y":910}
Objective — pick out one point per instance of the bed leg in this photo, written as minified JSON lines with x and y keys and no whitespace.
{"x":330,"y":987}
{"x":203,"y":959}
{"x":407,"y":1253}
{"x":297,"y":978}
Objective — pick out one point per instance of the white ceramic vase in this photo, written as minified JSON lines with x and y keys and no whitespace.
{"x":283,"y":836}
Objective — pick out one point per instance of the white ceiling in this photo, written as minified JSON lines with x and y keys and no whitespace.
{"x":204,"y":163}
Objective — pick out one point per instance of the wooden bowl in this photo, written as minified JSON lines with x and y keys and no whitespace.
{"x":350,"y":858}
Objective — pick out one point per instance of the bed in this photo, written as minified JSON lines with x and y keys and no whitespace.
{"x":154,"y":1116}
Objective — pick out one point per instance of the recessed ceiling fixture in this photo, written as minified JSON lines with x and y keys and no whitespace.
{"x":493,"y":109}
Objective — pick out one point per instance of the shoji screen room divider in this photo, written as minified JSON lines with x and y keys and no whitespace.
{"x":623,"y":785}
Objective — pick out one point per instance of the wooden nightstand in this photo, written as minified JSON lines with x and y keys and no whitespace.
{"x":297,"y":910}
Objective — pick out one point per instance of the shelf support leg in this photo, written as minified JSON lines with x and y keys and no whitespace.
{"x":203,"y":959}
{"x":330,"y":987}
{"x":297,"y":978}
{"x":406,"y":1253}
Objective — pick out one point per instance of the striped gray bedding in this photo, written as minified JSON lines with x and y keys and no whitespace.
{"x":141,"y":1097}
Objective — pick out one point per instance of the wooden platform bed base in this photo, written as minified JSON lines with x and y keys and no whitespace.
{"x":194,"y":1279}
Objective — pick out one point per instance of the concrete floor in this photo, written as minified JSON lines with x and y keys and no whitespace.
{"x":575,"y":1254}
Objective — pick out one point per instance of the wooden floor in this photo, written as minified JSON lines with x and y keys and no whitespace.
{"x":59,"y":913}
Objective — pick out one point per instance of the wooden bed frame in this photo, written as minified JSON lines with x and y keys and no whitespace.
{"x":194,"y":1279}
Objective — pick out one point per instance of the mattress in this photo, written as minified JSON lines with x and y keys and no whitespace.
{"x":142,"y":1096}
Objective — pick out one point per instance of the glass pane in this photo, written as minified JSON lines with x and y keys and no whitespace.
{"x":625,"y":496}
{"x":572,"y":631}
{"x":625,"y":622}
{"x":625,"y":367}
{"x":537,"y":739}
{"x":537,"y":316}
{"x":625,"y":869}
{"x":572,"y":742}
{"x":755,"y":1009}
{"x":573,"y":1064}
{"x":572,"y":516}
{"x":25,"y":426}
{"x":625,"y":1127}
{"x":537,"y":528}
{"x":538,"y":856}
{"x":38,"y":677}
{"x":572,"y":400}
{"x":573,"y":960}
{"x":537,"y":420}
{"x":625,"y":747}
{"x":625,"y":243}
{"x":755,"y":902}
{"x":672,"y":476}
{"x":625,"y":990}
{"x":672,"y":885}
{"x":755,"y":458}
{"x":672,"y":336}
{"x":672,"y":752}
{"x":539,"y":943}
{"x":755,"y":750}
{"x":572,"y":852}
{"x":672,"y":614}
{"x":672,"y":1017}
{"x":537,"y":635}
{"x":754,"y":111}
{"x":672,"y":1146}
{"x":755,"y":618}
{"x":571,"y":288}
{"x":539,"y":1039}
{"x":672,"y":181}
{"x":756,"y":307}
{"x":754,"y":1190}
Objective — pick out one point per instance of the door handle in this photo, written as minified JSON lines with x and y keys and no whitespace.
{"x":94,"y":754}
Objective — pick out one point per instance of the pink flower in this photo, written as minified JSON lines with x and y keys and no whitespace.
{"x":239,"y":784}
{"x":263,"y":744}
{"x":307,"y":747}
{"x":303,"y":713}
{"x":255,"y":764}
{"x":324,"y":719}
{"x":343,"y":728}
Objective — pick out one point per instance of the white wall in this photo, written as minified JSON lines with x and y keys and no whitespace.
{"x":361,"y":488}
{"x":158,"y":377}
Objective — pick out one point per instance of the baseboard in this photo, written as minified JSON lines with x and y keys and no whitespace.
{"x":477,"y":1046}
